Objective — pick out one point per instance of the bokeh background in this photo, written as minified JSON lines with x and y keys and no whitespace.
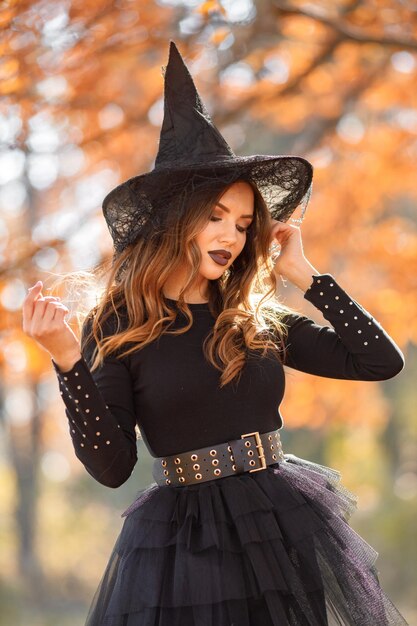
{"x":81,"y":106}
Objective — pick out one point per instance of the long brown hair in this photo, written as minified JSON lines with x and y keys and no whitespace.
{"x":247,"y":315}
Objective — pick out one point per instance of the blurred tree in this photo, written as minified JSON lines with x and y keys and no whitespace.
{"x":80,"y":110}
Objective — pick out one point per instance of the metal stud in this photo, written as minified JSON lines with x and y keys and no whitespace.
{"x":107,"y":442}
{"x":232,"y":458}
{"x":198,"y":476}
{"x":196,"y":466}
{"x":336,"y":297}
{"x":95,"y":447}
{"x":215,"y":462}
{"x":321,"y":293}
{"x":248,"y":444}
{"x":179,"y":470}
{"x":355,"y":317}
{"x":272,"y":447}
{"x":168,"y":482}
{"x":341,"y":311}
{"x":76,"y":373}
{"x":177,"y":461}
{"x":270,"y":437}
{"x":98,"y":434}
{"x":78,"y":386}
{"x":87,"y":410}
{"x":376,"y":336}
{"x":229,"y":449}
{"x":252,"y":463}
{"x":194,"y":457}
{"x":326,"y":306}
{"x":182,"y":479}
{"x":274,"y":456}
{"x":82,"y":445}
{"x":86,"y":395}
{"x":163,"y":463}
{"x":234,"y":468}
{"x":217,"y":472}
{"x":97,"y":417}
{"x":365,"y":343}
{"x":359,"y":331}
{"x":213,"y":452}
{"x":166,"y":473}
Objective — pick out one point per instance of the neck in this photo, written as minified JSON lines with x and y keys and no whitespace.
{"x":194,"y":295}
{"x":189,"y":299}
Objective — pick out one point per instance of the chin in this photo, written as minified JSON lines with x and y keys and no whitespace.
{"x":213,"y":273}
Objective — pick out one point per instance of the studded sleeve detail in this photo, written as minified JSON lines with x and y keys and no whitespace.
{"x":101,"y":417}
{"x":356,"y":348}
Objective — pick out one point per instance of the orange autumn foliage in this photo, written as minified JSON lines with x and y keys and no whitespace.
{"x":319,"y":89}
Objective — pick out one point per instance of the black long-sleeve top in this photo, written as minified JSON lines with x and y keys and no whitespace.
{"x":172,"y":392}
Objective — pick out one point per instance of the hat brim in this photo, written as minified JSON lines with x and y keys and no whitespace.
{"x":284,"y":181}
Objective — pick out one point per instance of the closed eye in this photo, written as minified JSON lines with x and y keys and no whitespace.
{"x":240,"y":228}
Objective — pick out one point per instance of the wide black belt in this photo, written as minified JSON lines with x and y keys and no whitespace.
{"x":251,"y":453}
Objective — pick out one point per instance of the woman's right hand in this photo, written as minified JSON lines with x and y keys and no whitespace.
{"x":43,"y":320}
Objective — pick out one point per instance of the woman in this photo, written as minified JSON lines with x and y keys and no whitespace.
{"x":186,"y":345}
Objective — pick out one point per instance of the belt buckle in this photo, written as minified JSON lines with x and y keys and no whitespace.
{"x":260,"y":449}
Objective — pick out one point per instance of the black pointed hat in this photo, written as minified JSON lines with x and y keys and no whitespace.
{"x":192,"y":153}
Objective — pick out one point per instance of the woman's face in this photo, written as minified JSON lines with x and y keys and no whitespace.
{"x":226,"y":230}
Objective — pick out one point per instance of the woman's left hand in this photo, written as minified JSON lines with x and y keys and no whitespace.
{"x":289,"y":238}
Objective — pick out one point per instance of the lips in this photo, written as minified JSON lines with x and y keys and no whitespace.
{"x":220,"y":257}
{"x":224,"y":253}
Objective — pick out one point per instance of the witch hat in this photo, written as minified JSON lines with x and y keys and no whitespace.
{"x":192,"y":149}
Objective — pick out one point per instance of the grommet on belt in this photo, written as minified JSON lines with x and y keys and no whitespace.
{"x":253,"y":452}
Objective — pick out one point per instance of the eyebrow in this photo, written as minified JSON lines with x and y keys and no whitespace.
{"x":228,"y":210}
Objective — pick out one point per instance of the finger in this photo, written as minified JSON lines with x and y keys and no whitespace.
{"x":60,"y":312}
{"x":34,"y":293}
{"x":277,"y":231}
{"x":283,"y":229}
{"x":42,"y":322}
{"x":36,"y":288}
{"x":55,"y":318}
{"x":39,"y":311}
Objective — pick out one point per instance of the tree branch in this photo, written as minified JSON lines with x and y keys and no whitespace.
{"x":345,"y":30}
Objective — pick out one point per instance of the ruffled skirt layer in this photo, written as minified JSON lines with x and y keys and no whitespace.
{"x":267,"y":548}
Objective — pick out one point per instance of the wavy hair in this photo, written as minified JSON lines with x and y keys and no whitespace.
{"x":242,"y":301}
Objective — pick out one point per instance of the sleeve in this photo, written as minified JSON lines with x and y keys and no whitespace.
{"x":101,"y":415}
{"x":356,"y":348}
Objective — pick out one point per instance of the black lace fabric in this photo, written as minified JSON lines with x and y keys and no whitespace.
{"x":192,"y":155}
{"x":141,"y":206}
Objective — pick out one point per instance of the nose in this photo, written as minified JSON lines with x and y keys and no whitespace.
{"x":228,"y":235}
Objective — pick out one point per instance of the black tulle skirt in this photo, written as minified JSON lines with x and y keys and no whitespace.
{"x":266,"y":548}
